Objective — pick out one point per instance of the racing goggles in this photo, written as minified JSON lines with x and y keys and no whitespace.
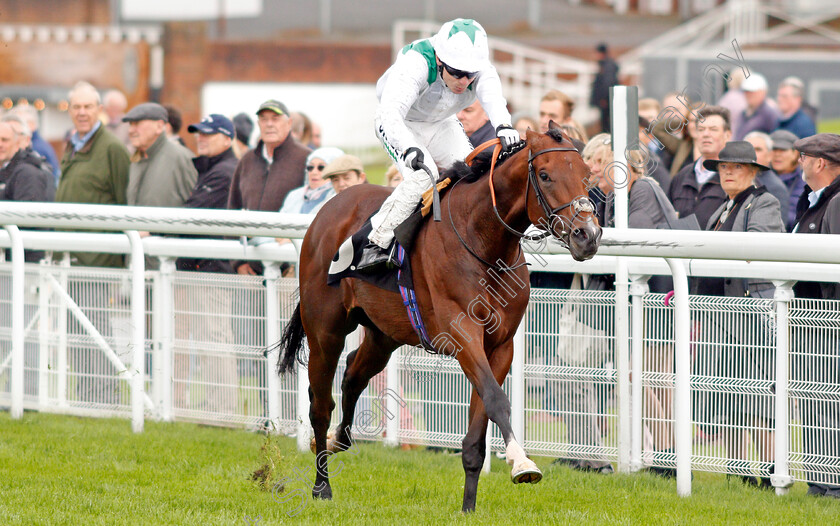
{"x":459,"y":74}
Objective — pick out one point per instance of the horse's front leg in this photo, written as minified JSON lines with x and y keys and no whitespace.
{"x":486,"y":377}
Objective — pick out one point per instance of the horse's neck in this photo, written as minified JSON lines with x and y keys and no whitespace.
{"x":484,"y":228}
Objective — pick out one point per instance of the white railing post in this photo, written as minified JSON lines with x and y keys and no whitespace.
{"x":162,"y":377}
{"x":44,"y":325}
{"x":392,"y":405}
{"x":62,"y":334}
{"x":638,"y":288}
{"x":624,"y":119}
{"x":487,"y":449}
{"x":302,"y":407}
{"x":18,"y":278}
{"x":272,"y":336}
{"x":138,"y":324}
{"x":302,"y":378}
{"x":781,"y":478}
{"x":682,"y":368}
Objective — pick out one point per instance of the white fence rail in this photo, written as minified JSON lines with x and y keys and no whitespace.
{"x":735,"y":385}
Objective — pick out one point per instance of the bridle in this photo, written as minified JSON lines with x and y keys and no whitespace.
{"x":580,"y":204}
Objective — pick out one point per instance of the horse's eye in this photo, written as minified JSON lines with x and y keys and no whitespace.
{"x":543,"y":176}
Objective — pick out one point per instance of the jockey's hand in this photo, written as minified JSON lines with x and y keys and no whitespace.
{"x":508,"y":136}
{"x":413,"y":158}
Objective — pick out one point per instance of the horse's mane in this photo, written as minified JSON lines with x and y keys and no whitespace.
{"x":481,"y":163}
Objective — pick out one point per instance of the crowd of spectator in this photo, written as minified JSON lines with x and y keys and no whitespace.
{"x":748,"y":164}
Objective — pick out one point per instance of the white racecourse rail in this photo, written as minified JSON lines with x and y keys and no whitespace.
{"x":736,"y":385}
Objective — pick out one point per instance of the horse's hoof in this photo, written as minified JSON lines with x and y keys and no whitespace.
{"x":525,"y":471}
{"x":324,"y":494}
{"x":330,"y":443}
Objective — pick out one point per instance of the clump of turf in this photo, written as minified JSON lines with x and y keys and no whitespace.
{"x":271,"y":460}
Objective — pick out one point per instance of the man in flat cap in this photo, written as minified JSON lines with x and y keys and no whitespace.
{"x":817,"y":360}
{"x":161,"y":172}
{"x":344,"y":172}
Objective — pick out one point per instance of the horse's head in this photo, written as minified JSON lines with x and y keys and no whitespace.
{"x":560,"y":202}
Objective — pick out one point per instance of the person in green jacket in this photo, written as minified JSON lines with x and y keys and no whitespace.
{"x":94,"y":167}
{"x":94,"y":171}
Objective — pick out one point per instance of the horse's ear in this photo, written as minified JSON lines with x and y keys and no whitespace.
{"x":530,"y":135}
{"x":552,"y":124}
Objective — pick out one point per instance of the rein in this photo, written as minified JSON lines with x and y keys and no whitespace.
{"x":497,"y":268}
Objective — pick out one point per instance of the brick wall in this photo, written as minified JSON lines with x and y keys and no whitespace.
{"x":289,"y":61}
{"x":186,"y":59}
{"x":191,"y":60}
{"x":65,"y":12}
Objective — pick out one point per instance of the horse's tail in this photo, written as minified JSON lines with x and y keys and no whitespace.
{"x":291,"y":344}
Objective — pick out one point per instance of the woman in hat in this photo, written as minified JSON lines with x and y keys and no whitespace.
{"x":750,"y":208}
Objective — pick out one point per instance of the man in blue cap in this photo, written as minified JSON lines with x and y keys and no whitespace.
{"x":215,"y":164}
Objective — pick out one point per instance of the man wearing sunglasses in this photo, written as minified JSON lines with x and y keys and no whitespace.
{"x":419,"y":96}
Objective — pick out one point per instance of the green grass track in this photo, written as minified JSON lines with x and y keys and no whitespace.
{"x":77,"y":471}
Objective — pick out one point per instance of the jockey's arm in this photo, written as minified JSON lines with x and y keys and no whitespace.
{"x":404,"y":84}
{"x":488,"y":89}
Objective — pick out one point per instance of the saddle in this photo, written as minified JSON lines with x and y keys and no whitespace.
{"x":400,"y":279}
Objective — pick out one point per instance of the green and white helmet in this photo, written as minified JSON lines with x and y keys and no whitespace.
{"x":462,"y":44}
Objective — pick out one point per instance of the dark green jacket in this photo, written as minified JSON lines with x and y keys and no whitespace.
{"x":97,"y":174}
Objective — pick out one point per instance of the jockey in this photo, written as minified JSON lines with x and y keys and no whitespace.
{"x":419,"y":95}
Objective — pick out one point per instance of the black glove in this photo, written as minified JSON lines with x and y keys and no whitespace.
{"x":413,"y":158}
{"x":508,"y":136}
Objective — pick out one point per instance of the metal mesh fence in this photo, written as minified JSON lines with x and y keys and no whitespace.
{"x":570,"y":376}
{"x":77,"y":348}
{"x":78,"y":358}
{"x":218,"y":373}
{"x":814,"y":390}
{"x":733,"y":378}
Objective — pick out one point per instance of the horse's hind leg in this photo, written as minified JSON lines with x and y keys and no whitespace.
{"x":474,"y":449}
{"x":362,"y":365}
{"x":324,"y":351}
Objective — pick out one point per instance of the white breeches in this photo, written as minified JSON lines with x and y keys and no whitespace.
{"x":442,"y":143}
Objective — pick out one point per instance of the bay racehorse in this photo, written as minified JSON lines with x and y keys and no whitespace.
{"x":453,"y":261}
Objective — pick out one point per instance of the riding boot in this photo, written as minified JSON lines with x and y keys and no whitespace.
{"x":375,"y":257}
